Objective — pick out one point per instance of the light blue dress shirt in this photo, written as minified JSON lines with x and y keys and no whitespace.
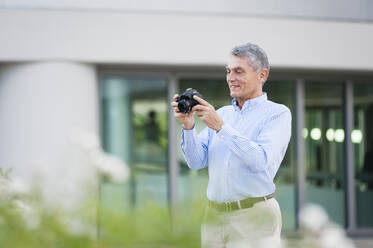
{"x":244,"y":156}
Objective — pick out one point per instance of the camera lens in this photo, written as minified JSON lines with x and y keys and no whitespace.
{"x":184,"y":106}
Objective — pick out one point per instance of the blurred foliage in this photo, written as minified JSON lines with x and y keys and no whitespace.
{"x":26,"y":221}
{"x":5,"y":174}
{"x":150,"y":226}
{"x":15,"y":232}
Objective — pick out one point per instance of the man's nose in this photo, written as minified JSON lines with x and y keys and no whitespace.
{"x":230,"y":78}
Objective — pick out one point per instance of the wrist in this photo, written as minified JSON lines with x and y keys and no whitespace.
{"x":219,"y":127}
{"x":189,"y":126}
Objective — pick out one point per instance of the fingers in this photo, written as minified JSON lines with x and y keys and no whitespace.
{"x":199,"y":108}
{"x":174,"y":104}
{"x":183,"y":116}
{"x":201,"y":101}
{"x":179,"y":115}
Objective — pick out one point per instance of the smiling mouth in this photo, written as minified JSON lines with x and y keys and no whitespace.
{"x":234,"y":86}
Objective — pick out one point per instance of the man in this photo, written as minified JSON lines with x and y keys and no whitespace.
{"x":243,"y":146}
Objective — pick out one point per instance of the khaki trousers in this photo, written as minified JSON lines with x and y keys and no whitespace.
{"x":258,"y":226}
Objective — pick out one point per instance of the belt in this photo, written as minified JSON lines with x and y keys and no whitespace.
{"x":245,"y":203}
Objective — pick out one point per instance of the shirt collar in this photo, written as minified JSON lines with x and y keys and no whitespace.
{"x":251,"y":103}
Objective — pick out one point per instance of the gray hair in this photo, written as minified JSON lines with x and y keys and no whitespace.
{"x":255,"y":54}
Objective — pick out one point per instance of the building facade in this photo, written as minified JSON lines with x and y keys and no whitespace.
{"x":111,"y":68}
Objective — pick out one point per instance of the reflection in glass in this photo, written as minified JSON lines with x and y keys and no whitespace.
{"x":362,"y":137}
{"x":135,"y":119}
{"x":325,"y":184}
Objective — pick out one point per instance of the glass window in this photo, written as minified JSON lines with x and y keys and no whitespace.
{"x":134,"y":127}
{"x":324,"y":139}
{"x":362,"y":138}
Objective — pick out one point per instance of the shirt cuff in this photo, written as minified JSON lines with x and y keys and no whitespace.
{"x":188,"y":132}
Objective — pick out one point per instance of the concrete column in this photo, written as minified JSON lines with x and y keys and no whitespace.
{"x":41,"y":104}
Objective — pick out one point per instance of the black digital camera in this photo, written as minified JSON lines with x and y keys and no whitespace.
{"x":186,"y":101}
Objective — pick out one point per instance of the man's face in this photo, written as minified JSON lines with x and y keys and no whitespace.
{"x":244,"y":83}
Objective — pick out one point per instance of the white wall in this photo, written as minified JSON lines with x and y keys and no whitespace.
{"x":182,"y":39}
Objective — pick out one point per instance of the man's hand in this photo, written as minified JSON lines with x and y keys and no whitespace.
{"x":186,"y":119}
{"x":206,"y":112}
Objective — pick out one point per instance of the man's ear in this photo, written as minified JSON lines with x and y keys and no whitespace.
{"x":263,"y":75}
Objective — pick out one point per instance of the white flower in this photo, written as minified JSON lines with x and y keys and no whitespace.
{"x":269,"y":242}
{"x":111,"y":167}
{"x":30,"y":216}
{"x":16,"y":187}
{"x":334,"y":237}
{"x":313,"y":217}
{"x":86,"y":140}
